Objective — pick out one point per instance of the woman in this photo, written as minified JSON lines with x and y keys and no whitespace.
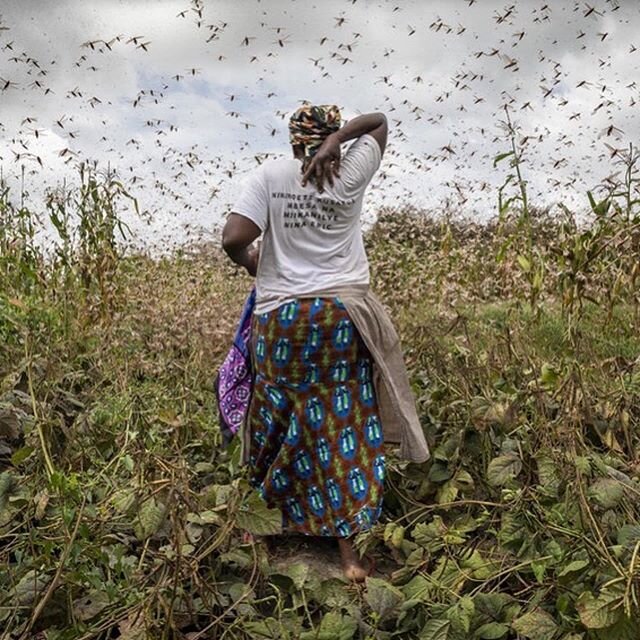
{"x":322,"y":347}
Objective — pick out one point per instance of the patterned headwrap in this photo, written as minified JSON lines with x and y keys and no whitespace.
{"x":311,"y":124}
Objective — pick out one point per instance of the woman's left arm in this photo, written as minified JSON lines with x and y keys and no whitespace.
{"x":237,"y":236}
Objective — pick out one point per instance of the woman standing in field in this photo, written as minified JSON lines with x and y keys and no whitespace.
{"x":330,"y":385}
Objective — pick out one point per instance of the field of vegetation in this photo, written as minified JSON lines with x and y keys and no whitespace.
{"x":121,"y":514}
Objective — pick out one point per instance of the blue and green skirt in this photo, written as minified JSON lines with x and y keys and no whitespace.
{"x":316,"y":439}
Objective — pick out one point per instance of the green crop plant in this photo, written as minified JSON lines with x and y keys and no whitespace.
{"x":521,"y":241}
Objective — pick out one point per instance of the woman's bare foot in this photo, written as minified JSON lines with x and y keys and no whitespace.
{"x":352,"y":566}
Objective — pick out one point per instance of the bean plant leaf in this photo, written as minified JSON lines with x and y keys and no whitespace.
{"x":382,"y":597}
{"x":607,"y":492}
{"x":21,"y":455}
{"x":256,"y":517}
{"x":439,"y":472}
{"x":333,"y":626}
{"x":573,"y":567}
{"x":297,"y":572}
{"x":448,"y":492}
{"x":90,"y":605}
{"x":417,"y":588}
{"x":6,"y":481}
{"x":629,"y":535}
{"x":492,"y":631}
{"x":435,"y":629}
{"x":624,"y":629}
{"x":461,"y":615}
{"x":503,"y":468}
{"x":598,"y":612}
{"x":269,"y":628}
{"x":431,"y":535}
{"x":536,"y":625}
{"x":463,"y":480}
{"x":123,"y":500}
{"x":549,"y":480}
{"x":150,"y":518}
{"x":30,"y":587}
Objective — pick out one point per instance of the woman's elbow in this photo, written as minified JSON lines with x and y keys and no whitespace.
{"x":238,"y":233}
{"x":230,"y":242}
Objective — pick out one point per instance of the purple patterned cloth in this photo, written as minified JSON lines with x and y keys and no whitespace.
{"x":234,"y":381}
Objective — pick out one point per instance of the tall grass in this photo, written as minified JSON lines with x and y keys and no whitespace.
{"x":121,"y":514}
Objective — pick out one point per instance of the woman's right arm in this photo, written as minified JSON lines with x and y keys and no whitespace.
{"x":375,"y":124}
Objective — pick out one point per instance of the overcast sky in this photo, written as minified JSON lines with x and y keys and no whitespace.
{"x":183,"y":99}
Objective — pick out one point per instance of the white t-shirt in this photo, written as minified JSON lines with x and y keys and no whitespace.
{"x":311,"y":240}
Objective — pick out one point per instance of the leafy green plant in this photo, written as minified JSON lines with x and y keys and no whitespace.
{"x":121,"y":514}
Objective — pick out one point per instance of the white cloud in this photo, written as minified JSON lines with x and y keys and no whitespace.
{"x":206,"y":141}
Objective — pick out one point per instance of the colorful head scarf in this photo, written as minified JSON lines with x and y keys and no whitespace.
{"x":311,"y":124}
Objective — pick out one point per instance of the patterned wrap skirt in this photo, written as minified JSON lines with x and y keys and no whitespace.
{"x":316,"y":447}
